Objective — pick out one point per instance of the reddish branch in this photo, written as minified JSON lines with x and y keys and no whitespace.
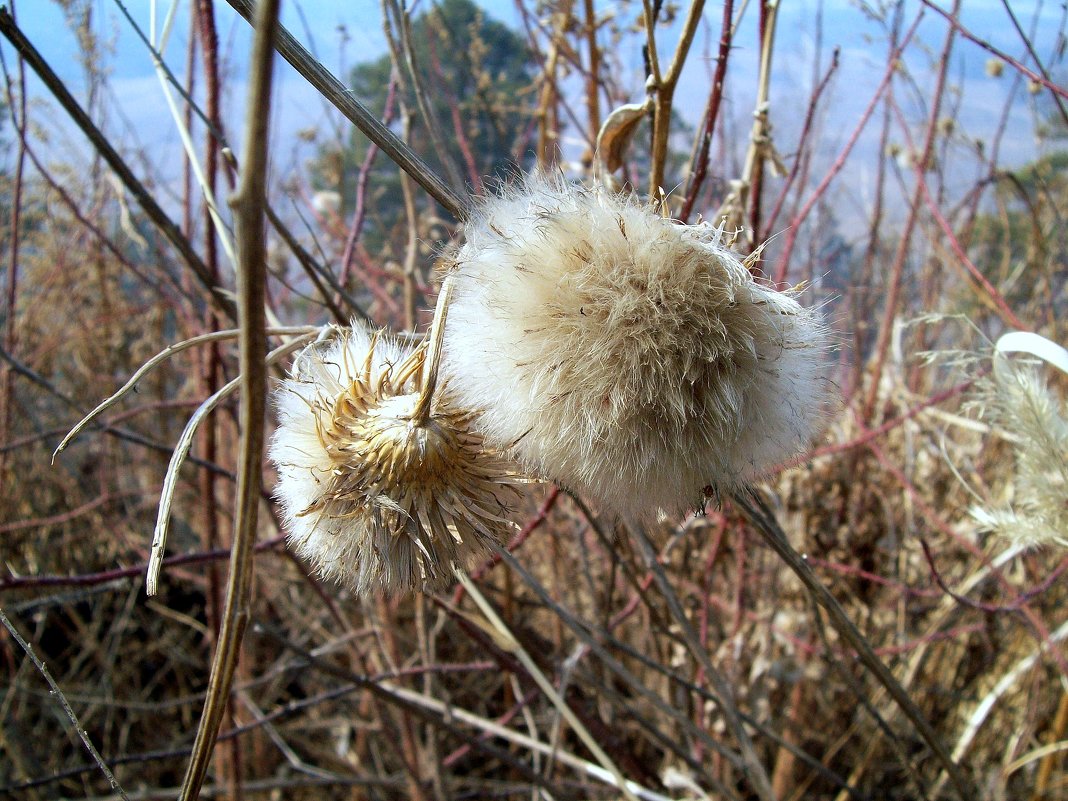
{"x":134,"y":571}
{"x":951,"y":18}
{"x":839,"y":163}
{"x":996,"y":297}
{"x":359,"y":215}
{"x":715,"y":98}
{"x":904,"y":245}
{"x":806,"y":129}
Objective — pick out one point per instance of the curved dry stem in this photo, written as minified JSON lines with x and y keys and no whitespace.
{"x":986,"y":705}
{"x":154,"y":362}
{"x":181,"y":451}
{"x":433,"y":356}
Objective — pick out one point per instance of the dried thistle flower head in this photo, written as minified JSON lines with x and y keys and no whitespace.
{"x":632,"y":359}
{"x":383,"y":483}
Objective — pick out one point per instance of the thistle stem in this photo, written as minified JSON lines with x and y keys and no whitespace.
{"x":433,"y":355}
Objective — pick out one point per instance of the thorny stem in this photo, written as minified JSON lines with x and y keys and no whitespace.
{"x":699,"y":168}
{"x":952,"y":18}
{"x":210,"y":361}
{"x":806,"y":129}
{"x":248,"y":204}
{"x":359,"y":214}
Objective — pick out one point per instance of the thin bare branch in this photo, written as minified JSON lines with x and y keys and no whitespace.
{"x":57,"y":693}
{"x":100,"y":142}
{"x":249,"y":204}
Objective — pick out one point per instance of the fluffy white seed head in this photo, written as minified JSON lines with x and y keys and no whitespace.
{"x":376,"y":491}
{"x":630,"y":358}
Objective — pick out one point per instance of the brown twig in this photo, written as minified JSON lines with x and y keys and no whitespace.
{"x":248,"y":203}
{"x":663,"y":87}
{"x":754,"y":768}
{"x":57,"y":693}
{"x":802,"y":139}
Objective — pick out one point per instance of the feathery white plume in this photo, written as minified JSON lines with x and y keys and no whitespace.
{"x":630,"y":358}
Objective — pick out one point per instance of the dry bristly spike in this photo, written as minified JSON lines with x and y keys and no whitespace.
{"x":382,"y":480}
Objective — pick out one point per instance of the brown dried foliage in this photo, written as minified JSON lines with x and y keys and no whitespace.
{"x":341,"y":697}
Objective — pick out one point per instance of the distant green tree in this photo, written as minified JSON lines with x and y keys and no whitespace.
{"x":478,"y":77}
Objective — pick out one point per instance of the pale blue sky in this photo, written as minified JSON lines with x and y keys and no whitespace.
{"x":144,"y":120}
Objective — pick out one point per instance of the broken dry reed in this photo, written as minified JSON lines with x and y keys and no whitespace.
{"x":181,"y":452}
{"x":156,"y":361}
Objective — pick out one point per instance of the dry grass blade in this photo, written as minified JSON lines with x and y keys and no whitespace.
{"x":521,"y":740}
{"x":163,"y":76}
{"x":155,"y":361}
{"x":507,"y":640}
{"x":986,"y":705}
{"x":643,"y":689}
{"x":178,"y":457}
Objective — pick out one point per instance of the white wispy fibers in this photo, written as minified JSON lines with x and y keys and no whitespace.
{"x":1016,"y":399}
{"x":630,"y":358}
{"x":382,"y":481}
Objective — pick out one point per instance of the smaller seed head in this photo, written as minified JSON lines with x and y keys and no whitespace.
{"x":380,"y":489}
